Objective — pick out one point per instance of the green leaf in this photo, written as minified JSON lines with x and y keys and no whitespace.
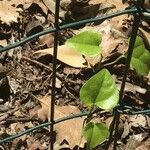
{"x":140,"y":58}
{"x":87,"y":43}
{"x":95,"y":134}
{"x":100,"y":90}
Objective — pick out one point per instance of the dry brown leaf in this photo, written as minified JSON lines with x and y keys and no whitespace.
{"x":137,"y":120}
{"x":70,"y":130}
{"x":8,"y":13}
{"x":146,"y":37}
{"x":112,"y":38}
{"x":132,"y":88}
{"x":134,"y":141}
{"x":47,"y":39}
{"x":34,"y":144}
{"x":50,"y":4}
{"x":144,"y":145}
{"x":118,"y":3}
{"x":67,"y":55}
{"x":3,"y":43}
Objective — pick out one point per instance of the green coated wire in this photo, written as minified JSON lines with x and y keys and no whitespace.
{"x":16,"y":44}
{"x":43,"y":125}
{"x":128,"y":11}
{"x":129,"y":112}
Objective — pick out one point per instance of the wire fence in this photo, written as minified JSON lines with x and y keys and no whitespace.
{"x":137,"y":12}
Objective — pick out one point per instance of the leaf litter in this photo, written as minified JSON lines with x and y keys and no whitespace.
{"x":29,"y":78}
{"x":71,"y":130}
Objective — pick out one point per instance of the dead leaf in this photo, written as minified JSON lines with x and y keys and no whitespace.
{"x":146,"y":36}
{"x":68,"y":130}
{"x":33,"y":27}
{"x":144,"y":145}
{"x":67,"y":55}
{"x":58,"y":83}
{"x":8,"y":13}
{"x":51,"y":6}
{"x":126,"y":130}
{"x":47,"y":40}
{"x":3,"y":43}
{"x":119,"y":5}
{"x":112,"y":38}
{"x":34,"y":144}
{"x":132,"y":88}
{"x":137,"y":120}
{"x":134,"y":141}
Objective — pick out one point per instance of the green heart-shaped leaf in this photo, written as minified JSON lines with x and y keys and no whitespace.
{"x":100,"y":90}
{"x":140,"y":58}
{"x":95,"y":134}
{"x":87,"y":43}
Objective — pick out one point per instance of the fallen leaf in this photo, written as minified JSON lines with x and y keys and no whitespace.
{"x":144,"y":145}
{"x":134,"y":141}
{"x":132,"y":88}
{"x":118,"y":4}
{"x":112,"y":38}
{"x":47,"y":40}
{"x":34,"y":144}
{"x":146,"y":37}
{"x":126,"y":130}
{"x":3,"y":43}
{"x":68,"y":130}
{"x":51,"y":6}
{"x":8,"y":13}
{"x":137,"y":120}
{"x":67,"y":55}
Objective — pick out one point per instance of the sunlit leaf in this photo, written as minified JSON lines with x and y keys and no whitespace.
{"x":141,"y":57}
{"x":100,"y":90}
{"x":87,"y":43}
{"x":95,"y":134}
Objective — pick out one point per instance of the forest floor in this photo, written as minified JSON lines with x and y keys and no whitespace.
{"x":26,"y":74}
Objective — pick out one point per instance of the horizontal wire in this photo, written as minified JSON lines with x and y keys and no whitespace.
{"x":51,"y":30}
{"x":133,"y":11}
{"x":62,"y":120}
{"x":44,"y":125}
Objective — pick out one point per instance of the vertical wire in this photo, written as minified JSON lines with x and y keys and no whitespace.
{"x":56,"y":36}
{"x":115,"y":122}
{"x":127,"y":66}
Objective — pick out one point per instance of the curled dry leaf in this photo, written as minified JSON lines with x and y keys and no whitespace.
{"x":67,"y":55}
{"x":69,"y":130}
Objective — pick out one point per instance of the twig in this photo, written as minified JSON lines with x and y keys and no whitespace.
{"x":59,"y":76}
{"x":21,"y":119}
{"x":36,"y":62}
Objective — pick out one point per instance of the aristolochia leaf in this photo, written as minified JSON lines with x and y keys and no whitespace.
{"x":100,"y":90}
{"x":141,"y":57}
{"x":87,"y":43}
{"x":95,"y":134}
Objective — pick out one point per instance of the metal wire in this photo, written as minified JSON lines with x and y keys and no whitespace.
{"x":52,"y":133}
{"x":116,"y":119}
{"x":73,"y":116}
{"x":136,"y":11}
{"x":44,"y":125}
{"x":66,"y":26}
